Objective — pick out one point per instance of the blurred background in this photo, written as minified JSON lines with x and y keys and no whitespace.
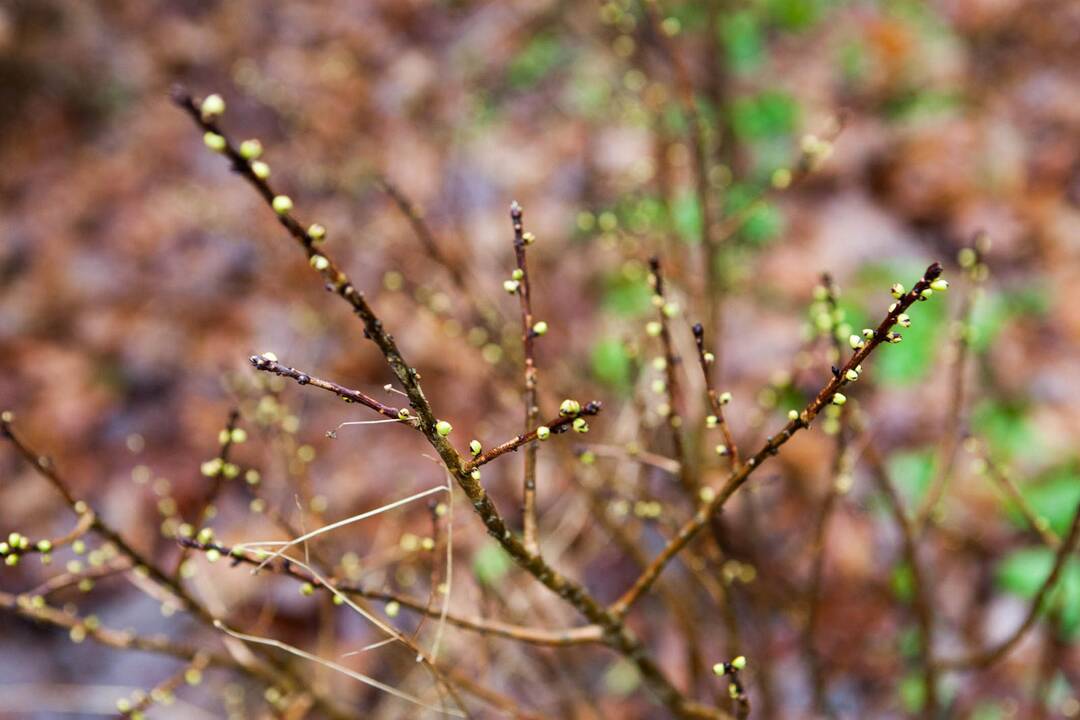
{"x":138,"y":274}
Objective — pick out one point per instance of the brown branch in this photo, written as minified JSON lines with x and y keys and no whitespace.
{"x":921,"y":601}
{"x":266,"y":364}
{"x":532,"y":406}
{"x":219,"y":476}
{"x":557,"y":425}
{"x":1005,"y":483}
{"x":818,"y":548}
{"x":616,"y":635}
{"x":483,"y":626}
{"x":707,"y":359}
{"x":741,"y":474}
{"x":988,"y":656}
{"x":671,"y":384}
{"x":45,"y":468}
{"x":25,"y":606}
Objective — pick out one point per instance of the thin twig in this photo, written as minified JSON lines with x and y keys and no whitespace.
{"x":616,"y":634}
{"x":536,"y":636}
{"x":921,"y":600}
{"x":988,"y":656}
{"x":664,"y":309}
{"x":741,"y":474}
{"x":532,"y":403}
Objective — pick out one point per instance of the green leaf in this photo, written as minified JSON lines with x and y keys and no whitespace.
{"x":911,"y":471}
{"x":766,"y":115}
{"x":1024,"y":571}
{"x":1007,"y":429}
{"x":611,"y":364}
{"x":542,"y":55}
{"x":490,"y":564}
{"x":794,"y":15}
{"x":903,"y":583}
{"x":626,"y":297}
{"x":741,"y":34}
{"x":1055,"y":497}
{"x":912,"y":693}
{"x":686,"y":215}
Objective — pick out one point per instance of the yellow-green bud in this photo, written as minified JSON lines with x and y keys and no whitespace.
{"x":518,"y":274}
{"x":725,"y":398}
{"x":44,"y":546}
{"x":251,"y":149}
{"x":214,"y":141}
{"x":653,"y":329}
{"x":721,"y":450}
{"x":307,"y":589}
{"x":897,"y":290}
{"x":540,"y":328}
{"x":851,"y":376}
{"x":260,"y":169}
{"x":580,"y":425}
{"x":319,"y":262}
{"x":793,"y":415}
{"x":739,"y":663}
{"x":316,"y":232}
{"x":282,"y":204}
{"x":839,"y":399}
{"x":475,"y":447}
{"x":569,"y":407}
{"x":940,"y":285}
{"x":543,"y":432}
{"x":443,"y":428}
{"x":212,"y":106}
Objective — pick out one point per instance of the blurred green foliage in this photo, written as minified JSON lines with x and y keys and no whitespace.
{"x":490,"y":564}
{"x":1024,"y":571}
{"x":611,"y":364}
{"x":542,"y":55}
{"x":911,"y":471}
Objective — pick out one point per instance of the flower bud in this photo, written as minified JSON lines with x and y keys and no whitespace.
{"x":839,"y":399}
{"x":316,"y":232}
{"x":214,"y":141}
{"x":251,"y":149}
{"x":569,"y":407}
{"x":212,"y":106}
{"x":475,"y":447}
{"x":543,"y":432}
{"x":282,"y":204}
{"x":540,"y":328}
{"x":443,"y":428}
{"x":260,"y":169}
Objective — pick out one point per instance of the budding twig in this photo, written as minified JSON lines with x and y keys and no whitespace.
{"x":828,"y":394}
{"x":616,"y":634}
{"x":532,"y":407}
{"x":560,"y":424}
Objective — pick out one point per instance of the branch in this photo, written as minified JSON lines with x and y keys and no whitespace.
{"x":989,"y":656}
{"x":271,"y":365}
{"x":521,"y":286}
{"x":616,"y":635}
{"x":827,"y":394}
{"x":665,"y":310}
{"x":557,"y":425}
{"x":483,"y":626}
{"x":716,"y":403}
{"x":921,"y":600}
